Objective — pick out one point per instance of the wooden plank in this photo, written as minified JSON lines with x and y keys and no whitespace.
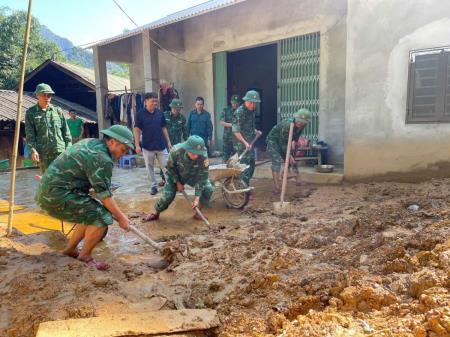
{"x":149,"y":323}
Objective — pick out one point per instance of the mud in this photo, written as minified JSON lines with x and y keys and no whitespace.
{"x":350,"y":260}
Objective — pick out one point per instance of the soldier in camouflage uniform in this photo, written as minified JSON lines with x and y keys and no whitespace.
{"x":176,"y":127}
{"x":244,"y":131}
{"x":64,"y":190}
{"x":46,"y":128}
{"x":277,"y":141}
{"x":187,"y":164}
{"x":226,"y":120}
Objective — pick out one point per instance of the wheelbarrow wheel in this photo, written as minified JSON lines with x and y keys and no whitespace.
{"x":235,"y":200}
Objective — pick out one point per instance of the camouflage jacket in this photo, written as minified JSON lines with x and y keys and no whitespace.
{"x":176,"y":127}
{"x":280,"y":133}
{"x":86,"y":164}
{"x":46,"y":131}
{"x":227,"y":117}
{"x":180,"y":168}
{"x":244,"y":122}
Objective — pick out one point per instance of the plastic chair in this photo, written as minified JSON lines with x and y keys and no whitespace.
{"x":127,"y":161}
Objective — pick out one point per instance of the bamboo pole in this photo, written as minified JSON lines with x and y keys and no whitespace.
{"x":18,"y":120}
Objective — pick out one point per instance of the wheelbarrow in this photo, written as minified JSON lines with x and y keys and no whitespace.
{"x":235,"y":191}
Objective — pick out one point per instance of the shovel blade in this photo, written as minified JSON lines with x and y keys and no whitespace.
{"x":282,"y":208}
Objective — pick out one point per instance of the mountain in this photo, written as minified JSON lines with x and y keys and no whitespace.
{"x":80,"y":56}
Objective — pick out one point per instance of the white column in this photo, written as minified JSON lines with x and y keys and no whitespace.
{"x":101,"y":86}
{"x":151,"y":63}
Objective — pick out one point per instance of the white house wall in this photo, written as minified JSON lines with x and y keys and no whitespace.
{"x":257,"y":22}
{"x":378,"y":142}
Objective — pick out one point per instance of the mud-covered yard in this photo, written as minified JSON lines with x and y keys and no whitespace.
{"x":351,"y":260}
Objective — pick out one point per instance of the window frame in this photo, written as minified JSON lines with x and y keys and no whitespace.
{"x":443,"y":74}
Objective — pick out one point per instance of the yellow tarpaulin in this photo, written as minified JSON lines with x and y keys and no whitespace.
{"x":4,"y":206}
{"x":33,"y":222}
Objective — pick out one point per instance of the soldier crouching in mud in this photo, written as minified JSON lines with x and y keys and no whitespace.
{"x":64,"y":190}
{"x":187,"y":164}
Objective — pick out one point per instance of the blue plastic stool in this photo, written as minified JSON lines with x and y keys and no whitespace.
{"x":127,"y":161}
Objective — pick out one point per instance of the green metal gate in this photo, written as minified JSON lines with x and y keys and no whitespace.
{"x":298,"y":79}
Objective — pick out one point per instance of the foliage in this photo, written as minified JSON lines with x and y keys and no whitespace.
{"x":12,"y":30}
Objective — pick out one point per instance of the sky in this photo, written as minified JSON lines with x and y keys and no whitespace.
{"x":84,"y":21}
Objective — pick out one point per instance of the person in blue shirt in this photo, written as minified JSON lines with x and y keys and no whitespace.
{"x":199,"y":123}
{"x":150,"y":121}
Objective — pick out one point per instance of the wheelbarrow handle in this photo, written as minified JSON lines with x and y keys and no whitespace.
{"x":199,"y":213}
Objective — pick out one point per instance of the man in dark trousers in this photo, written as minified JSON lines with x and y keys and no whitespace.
{"x":151,"y":123}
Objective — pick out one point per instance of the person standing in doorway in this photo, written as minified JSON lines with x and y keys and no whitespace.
{"x":150,"y":122}
{"x":199,"y":123}
{"x":226,"y":120}
{"x":46,"y":128}
{"x":75,"y":124}
{"x":244,"y":131}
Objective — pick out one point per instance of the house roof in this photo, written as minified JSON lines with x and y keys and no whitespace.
{"x":8,"y":106}
{"x":184,"y":14}
{"x":85,"y":75}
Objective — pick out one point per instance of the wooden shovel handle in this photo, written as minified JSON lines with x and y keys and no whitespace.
{"x":286,"y":162}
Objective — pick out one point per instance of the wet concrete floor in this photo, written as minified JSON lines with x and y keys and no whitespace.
{"x":134,"y":199}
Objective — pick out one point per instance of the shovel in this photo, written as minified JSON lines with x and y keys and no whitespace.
{"x":199,"y":213}
{"x":283,"y":207}
{"x":144,"y":237}
{"x":235,"y":159}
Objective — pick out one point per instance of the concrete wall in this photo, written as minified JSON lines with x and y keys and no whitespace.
{"x":256,"y":22}
{"x":378,"y":142}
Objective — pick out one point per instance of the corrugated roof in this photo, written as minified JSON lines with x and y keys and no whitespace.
{"x":8,"y":106}
{"x":190,"y":12}
{"x":115,"y":83}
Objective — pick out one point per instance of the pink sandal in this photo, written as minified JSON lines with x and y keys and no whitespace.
{"x":151,"y":217}
{"x":97,"y":264}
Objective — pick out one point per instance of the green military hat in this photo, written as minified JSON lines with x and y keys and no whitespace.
{"x":235,"y":99}
{"x":195,"y":145}
{"x":302,"y":115}
{"x":43,"y":88}
{"x":252,"y":96}
{"x":120,"y":133}
{"x":176,"y":103}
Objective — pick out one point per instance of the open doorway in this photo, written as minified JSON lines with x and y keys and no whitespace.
{"x":256,"y":69}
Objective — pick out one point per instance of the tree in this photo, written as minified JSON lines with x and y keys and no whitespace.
{"x":12,"y":30}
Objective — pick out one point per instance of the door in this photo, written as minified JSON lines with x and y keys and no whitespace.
{"x":298,"y":79}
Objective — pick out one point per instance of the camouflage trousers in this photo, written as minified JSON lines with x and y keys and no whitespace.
{"x":76,"y":207}
{"x":227,"y":149}
{"x":278,"y":156}
{"x":170,"y":190}
{"x":248,"y":159}
{"x":44,"y":162}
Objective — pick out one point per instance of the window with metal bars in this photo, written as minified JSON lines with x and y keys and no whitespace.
{"x":429,"y":86}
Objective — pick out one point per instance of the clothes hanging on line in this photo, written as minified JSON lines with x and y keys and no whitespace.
{"x":122,"y":109}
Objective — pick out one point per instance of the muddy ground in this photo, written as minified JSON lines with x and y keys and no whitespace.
{"x":351,"y":260}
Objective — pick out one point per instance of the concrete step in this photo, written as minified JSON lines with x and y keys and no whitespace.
{"x":307,"y":174}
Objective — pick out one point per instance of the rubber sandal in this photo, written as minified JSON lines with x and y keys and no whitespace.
{"x":102,"y":266}
{"x":151,"y":217}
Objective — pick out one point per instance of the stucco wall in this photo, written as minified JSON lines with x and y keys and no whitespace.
{"x":257,"y":22}
{"x":378,"y":142}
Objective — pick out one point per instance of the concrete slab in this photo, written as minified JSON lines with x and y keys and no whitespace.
{"x":148,"y":323}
